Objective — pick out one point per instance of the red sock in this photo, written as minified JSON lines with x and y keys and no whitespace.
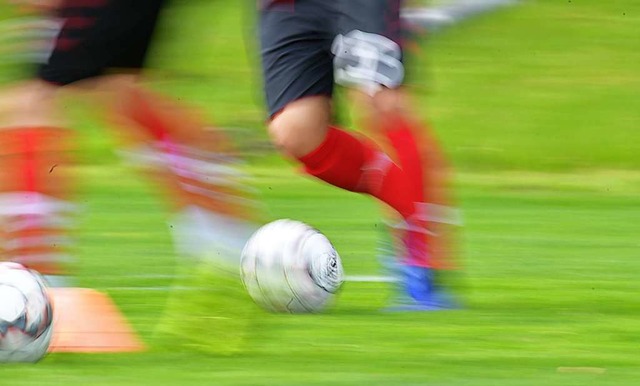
{"x":34,"y":192}
{"x":195,"y":167}
{"x":358,"y":165}
{"x":421,"y":157}
{"x":400,"y":134}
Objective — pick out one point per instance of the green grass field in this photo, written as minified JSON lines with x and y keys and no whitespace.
{"x":537,"y":106}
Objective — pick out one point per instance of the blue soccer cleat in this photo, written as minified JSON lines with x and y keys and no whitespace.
{"x":419,"y":292}
{"x":417,"y":287}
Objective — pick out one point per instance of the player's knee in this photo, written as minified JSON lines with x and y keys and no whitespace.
{"x":388,"y":101}
{"x":301,"y":126}
{"x":296,"y":137}
{"x":28,"y":104}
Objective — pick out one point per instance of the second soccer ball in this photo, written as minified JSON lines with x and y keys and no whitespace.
{"x":26,"y":315}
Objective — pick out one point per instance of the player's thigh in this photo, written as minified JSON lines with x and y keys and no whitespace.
{"x":378,"y":17}
{"x":381,"y":17}
{"x":295,"y":51}
{"x":97,"y":35}
{"x":31,"y":104}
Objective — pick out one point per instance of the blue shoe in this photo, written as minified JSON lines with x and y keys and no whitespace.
{"x":416,"y":287}
{"x":418,"y":292}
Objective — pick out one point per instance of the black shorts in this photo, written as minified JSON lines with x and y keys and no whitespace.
{"x":296,"y":38}
{"x":97,"y":35}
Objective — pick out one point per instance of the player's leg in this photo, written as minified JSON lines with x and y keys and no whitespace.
{"x":428,"y":235}
{"x":36,"y":140}
{"x":298,"y":75}
{"x":36,"y":195}
{"x":211,"y":215}
{"x":36,"y":208}
{"x":198,"y":171}
{"x":195,"y":164}
{"x":369,"y":57}
{"x":191,"y":160}
{"x":36,"y":203}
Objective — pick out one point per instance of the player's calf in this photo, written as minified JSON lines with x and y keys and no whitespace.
{"x":197,"y":168}
{"x":35,"y":209}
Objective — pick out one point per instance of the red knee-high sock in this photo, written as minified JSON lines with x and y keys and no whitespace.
{"x":192,"y":162}
{"x":403,"y":140}
{"x":421,"y":157}
{"x":34,"y":193}
{"x":358,"y":165}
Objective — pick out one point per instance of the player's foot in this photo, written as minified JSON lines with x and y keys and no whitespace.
{"x":208,"y":311}
{"x":417,"y":288}
{"x":418,"y":291}
{"x":201,"y":234}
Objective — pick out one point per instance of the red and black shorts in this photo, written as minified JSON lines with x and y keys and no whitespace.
{"x":296,"y":38}
{"x":97,"y":35}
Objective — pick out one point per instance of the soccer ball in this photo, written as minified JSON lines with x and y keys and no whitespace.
{"x":288,"y":266}
{"x":25,"y":314}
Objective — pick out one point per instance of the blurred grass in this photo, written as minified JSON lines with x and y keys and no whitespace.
{"x":550,"y":281}
{"x":537,"y":106}
{"x":548,"y":85}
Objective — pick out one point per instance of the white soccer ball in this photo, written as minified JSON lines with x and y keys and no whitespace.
{"x":26,"y":315}
{"x":288,"y":266}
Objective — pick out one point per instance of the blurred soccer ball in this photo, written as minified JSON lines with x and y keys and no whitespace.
{"x":287,"y":266}
{"x":25,"y":314}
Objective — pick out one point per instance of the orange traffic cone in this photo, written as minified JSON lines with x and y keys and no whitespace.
{"x":86,"y":320}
